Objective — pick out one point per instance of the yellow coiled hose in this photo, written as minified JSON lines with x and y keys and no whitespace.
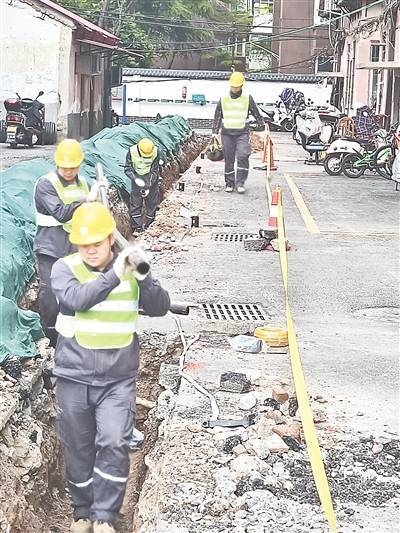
{"x":272,"y":335}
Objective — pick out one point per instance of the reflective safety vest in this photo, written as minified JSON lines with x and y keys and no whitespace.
{"x":234,"y":112}
{"x":141,"y":165}
{"x":68,"y":195}
{"x":108,"y":324}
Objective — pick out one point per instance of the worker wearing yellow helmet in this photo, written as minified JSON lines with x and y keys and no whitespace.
{"x":231,"y":116}
{"x":96,"y":362}
{"x":56,"y":197}
{"x":142,"y":166}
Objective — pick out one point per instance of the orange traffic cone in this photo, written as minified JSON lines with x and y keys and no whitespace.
{"x":272,"y":165}
{"x":273,"y":210}
{"x":268,"y":152}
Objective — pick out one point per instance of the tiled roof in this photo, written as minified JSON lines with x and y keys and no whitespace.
{"x":218,"y":75}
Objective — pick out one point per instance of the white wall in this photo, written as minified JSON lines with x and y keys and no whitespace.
{"x":262,"y":91}
{"x":35,"y":54}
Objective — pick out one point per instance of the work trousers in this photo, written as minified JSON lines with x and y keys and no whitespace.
{"x":236,"y":147}
{"x":150,"y":202}
{"x":95,"y":425}
{"x":48,"y":305}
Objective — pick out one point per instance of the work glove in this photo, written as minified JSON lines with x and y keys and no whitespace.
{"x":132,"y":259}
{"x":94,"y":192}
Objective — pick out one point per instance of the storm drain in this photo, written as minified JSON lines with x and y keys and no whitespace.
{"x":233,"y":237}
{"x":243,"y":312}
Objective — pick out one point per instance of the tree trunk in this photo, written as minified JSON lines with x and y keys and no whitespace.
{"x":104,"y":7}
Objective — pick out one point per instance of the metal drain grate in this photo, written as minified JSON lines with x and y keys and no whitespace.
{"x":252,"y":312}
{"x":233,"y":237}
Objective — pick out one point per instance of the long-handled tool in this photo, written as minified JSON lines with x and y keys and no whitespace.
{"x":137,"y":258}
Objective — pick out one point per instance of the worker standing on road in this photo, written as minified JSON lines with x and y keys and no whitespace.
{"x":142,"y":166}
{"x":57,"y":195}
{"x":232,"y":113}
{"x":96,"y":363}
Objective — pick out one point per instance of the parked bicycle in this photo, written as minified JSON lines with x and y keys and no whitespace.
{"x":385,"y":155}
{"x":356,"y":163}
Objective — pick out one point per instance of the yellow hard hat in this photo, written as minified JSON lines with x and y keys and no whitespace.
{"x":92,"y":222}
{"x":146,"y":147}
{"x":68,"y":154}
{"x":236,"y":79}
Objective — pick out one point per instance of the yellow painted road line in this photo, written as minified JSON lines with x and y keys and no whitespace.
{"x":301,"y":206}
{"x":306,"y":415}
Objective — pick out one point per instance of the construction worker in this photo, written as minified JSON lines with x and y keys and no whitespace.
{"x":142,"y":166}
{"x":232,"y":114}
{"x":56,"y":197}
{"x":96,"y":363}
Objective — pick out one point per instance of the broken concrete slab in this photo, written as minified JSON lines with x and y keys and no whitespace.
{"x":288,"y":430}
{"x":258,"y":447}
{"x":169,"y":376}
{"x":234,"y":382}
{"x":276,"y":444}
{"x":280,"y":394}
{"x":247,"y":402}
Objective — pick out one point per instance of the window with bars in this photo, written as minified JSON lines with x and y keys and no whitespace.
{"x":263,"y":7}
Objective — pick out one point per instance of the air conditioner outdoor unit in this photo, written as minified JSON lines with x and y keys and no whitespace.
{"x":90,"y":65}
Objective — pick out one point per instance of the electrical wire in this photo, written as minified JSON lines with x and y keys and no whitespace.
{"x":186,"y":345}
{"x":262,"y":40}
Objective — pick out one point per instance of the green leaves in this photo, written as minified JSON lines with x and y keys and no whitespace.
{"x":153,"y":27}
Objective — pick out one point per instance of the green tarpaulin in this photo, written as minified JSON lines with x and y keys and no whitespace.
{"x":18,"y":328}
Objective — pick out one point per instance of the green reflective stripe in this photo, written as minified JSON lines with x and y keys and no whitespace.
{"x":235,"y":111}
{"x":142,"y":165}
{"x":96,"y":342}
{"x":106,"y":325}
{"x":109,"y":316}
{"x":69,"y":193}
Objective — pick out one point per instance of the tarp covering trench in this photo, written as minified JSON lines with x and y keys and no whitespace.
{"x":19,"y":329}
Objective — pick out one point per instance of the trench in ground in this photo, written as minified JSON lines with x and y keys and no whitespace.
{"x":42,"y":503}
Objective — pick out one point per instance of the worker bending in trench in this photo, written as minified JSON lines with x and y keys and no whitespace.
{"x":56,"y":197}
{"x":96,"y":363}
{"x":142,"y":167}
{"x":232,"y":113}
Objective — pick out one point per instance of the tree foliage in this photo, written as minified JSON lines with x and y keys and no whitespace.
{"x":152,"y":28}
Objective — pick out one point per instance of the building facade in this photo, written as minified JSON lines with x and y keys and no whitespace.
{"x":300,"y":40}
{"x":367,"y":56}
{"x":46,"y":47}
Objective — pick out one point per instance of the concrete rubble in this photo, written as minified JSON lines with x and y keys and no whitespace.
{"x":256,"y":479}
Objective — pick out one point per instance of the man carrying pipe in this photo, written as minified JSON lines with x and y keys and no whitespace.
{"x":96,"y":362}
{"x":232,"y":114}
{"x":142,"y":166}
{"x":56,"y":197}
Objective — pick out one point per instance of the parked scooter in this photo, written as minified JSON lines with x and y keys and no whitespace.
{"x":336,"y":152}
{"x":25,"y":122}
{"x":278,"y":117}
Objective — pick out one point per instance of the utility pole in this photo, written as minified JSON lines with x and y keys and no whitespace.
{"x":234,"y":37}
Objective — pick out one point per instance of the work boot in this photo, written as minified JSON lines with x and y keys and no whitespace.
{"x":103,"y":527}
{"x":241,"y":189}
{"x":81,"y":525}
{"x":228,"y":189}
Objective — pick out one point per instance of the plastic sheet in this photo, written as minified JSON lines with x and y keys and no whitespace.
{"x":18,"y":328}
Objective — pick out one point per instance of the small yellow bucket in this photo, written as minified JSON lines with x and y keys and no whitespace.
{"x":272,"y":335}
